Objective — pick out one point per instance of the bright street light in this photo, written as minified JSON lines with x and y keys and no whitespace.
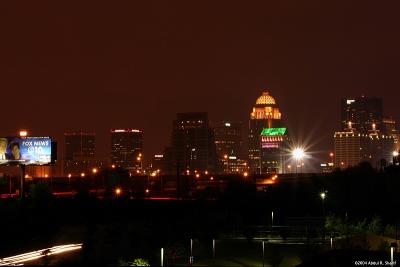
{"x":395,"y":153}
{"x":322,"y":195}
{"x":298,"y":153}
{"x":117,"y":191}
{"x":23,"y":133}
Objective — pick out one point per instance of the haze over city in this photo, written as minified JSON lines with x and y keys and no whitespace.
{"x":96,"y":67}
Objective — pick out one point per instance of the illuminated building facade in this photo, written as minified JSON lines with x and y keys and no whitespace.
{"x":367,"y":135}
{"x":390,"y":128}
{"x":347,"y":148}
{"x":126,"y":148}
{"x":229,"y":145}
{"x":352,"y":148}
{"x":193,"y":146}
{"x":265,"y":114}
{"x":362,"y":112}
{"x":228,"y":139}
{"x":274,"y":150}
{"x":79,"y":152}
{"x":232,"y":164}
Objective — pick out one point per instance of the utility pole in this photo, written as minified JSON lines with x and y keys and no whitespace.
{"x":22,"y":189}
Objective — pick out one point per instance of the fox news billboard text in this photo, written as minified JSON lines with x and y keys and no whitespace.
{"x":25,"y":150}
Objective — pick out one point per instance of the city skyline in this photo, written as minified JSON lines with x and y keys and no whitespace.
{"x":200,"y":133}
{"x":104,"y":152}
{"x":120,"y":67}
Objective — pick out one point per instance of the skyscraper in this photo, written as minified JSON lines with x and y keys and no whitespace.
{"x":79,"y":152}
{"x":126,"y":148}
{"x":265,"y":114}
{"x":362,"y":112}
{"x":229,"y":145}
{"x":193,"y":146}
{"x":348,"y":148}
{"x":365,"y":134}
{"x":274,"y":150}
{"x":352,"y":148}
{"x":228,"y":139}
{"x":390,"y":128}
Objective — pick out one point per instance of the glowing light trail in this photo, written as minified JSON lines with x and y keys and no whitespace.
{"x":29,"y":256}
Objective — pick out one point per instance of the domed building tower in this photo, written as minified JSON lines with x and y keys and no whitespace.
{"x":265,"y":114}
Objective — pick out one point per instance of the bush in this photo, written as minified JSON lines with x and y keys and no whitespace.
{"x":40,"y":193}
{"x":135,"y":262}
{"x":375,"y":226}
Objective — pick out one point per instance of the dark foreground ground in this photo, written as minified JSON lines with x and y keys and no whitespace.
{"x":116,"y":232}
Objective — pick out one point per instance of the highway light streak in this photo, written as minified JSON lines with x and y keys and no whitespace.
{"x":21,"y":258}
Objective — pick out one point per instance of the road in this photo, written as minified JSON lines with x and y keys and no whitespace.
{"x":34,"y":255}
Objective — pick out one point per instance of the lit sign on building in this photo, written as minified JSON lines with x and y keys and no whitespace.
{"x":269,"y":145}
{"x":272,"y":137}
{"x":273,"y":131}
{"x":25,"y":150}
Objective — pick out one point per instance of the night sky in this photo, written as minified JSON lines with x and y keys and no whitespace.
{"x":135,"y":64}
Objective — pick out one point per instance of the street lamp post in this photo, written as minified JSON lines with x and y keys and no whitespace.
{"x":22,"y":134}
{"x":298,"y":154}
{"x":162,"y":256}
{"x":272,"y":219}
{"x":22,"y":193}
{"x":213,"y":243}
{"x":392,"y":248}
{"x":191,"y":252}
{"x":331,"y":156}
{"x":323,"y":196}
{"x":227,"y":162}
{"x":263,"y":252}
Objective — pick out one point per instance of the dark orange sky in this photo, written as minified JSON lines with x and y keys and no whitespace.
{"x":136,"y":64}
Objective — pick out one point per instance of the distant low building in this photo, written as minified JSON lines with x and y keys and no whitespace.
{"x":327,"y":167}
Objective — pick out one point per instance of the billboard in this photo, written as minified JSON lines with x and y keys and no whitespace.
{"x":25,"y":150}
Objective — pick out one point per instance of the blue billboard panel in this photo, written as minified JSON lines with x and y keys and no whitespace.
{"x":25,"y":150}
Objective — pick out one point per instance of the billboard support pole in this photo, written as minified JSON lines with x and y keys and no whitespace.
{"x":22,"y":189}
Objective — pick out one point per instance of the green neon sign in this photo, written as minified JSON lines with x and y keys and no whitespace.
{"x":273,"y":131}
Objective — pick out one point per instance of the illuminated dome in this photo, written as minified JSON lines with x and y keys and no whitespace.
{"x":265,"y":99}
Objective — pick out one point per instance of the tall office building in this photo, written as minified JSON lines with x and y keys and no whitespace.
{"x":265,"y":114}
{"x":390,"y":128}
{"x":366,"y":135}
{"x":229,"y":144}
{"x":228,"y":139}
{"x":352,"y":147}
{"x":127,"y":148}
{"x":362,"y":112}
{"x":274,"y":150}
{"x":79,"y":152}
{"x":193,"y":147}
{"x":348,"y":148}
